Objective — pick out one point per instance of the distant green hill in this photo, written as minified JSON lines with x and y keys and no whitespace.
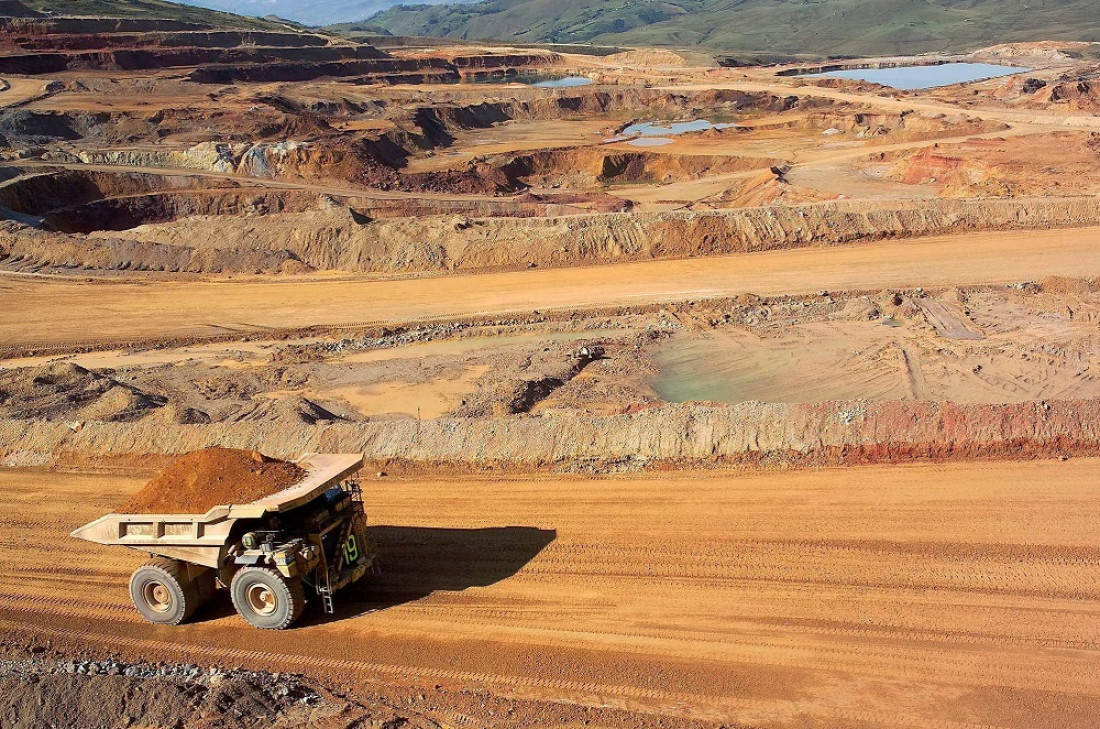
{"x":817,"y":27}
{"x":150,"y":9}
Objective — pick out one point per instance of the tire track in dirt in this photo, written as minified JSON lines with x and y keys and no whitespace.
{"x":599,"y":692}
{"x":744,"y":598}
{"x":973,"y":673}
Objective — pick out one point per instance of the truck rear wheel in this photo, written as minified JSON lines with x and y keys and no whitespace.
{"x":162,"y":592}
{"x":266,"y":599}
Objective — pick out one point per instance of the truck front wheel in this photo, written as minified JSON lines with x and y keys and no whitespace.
{"x":162,"y":592}
{"x":266,"y":599}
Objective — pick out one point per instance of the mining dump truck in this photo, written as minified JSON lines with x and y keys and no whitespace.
{"x":311,"y":535}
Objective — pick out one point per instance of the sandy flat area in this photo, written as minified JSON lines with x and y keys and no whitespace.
{"x":917,"y":596}
{"x":56,"y":311}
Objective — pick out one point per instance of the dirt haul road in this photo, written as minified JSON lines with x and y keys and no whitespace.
{"x":891,"y":596}
{"x":15,"y":91}
{"x":63,"y":311}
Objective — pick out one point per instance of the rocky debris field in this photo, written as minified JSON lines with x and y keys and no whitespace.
{"x":68,"y":391}
{"x":979,"y":345}
{"x":44,"y":687}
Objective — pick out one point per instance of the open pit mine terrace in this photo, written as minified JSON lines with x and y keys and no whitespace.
{"x":692,"y":396}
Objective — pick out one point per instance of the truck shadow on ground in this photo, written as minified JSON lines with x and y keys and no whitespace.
{"x":418,"y":561}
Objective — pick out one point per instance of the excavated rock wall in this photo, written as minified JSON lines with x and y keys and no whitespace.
{"x":375,"y":161}
{"x":193,"y":39}
{"x":595,"y":165}
{"x":123,"y":213}
{"x":372,"y":71}
{"x":384,"y":69}
{"x":653,"y":101}
{"x":1080,"y":95}
{"x":37,"y":194}
{"x":71,"y":201}
{"x":43,"y":26}
{"x":431,"y":127}
{"x":338,"y":239}
{"x":671,"y":435}
{"x":170,"y":57}
{"x":506,"y":60}
{"x":26,"y":253}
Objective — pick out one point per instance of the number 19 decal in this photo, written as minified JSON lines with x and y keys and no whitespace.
{"x":351,"y":549}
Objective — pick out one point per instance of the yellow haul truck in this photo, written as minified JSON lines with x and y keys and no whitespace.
{"x":267,"y":552}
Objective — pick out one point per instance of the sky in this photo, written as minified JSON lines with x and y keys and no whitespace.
{"x":310,"y":12}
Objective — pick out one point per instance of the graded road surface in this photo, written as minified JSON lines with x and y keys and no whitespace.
{"x":957,"y":595}
{"x":14,"y":91}
{"x":59,"y":311}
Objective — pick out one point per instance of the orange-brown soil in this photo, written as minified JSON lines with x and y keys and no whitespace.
{"x":117,"y":313}
{"x":290,"y":241}
{"x":781,"y":599}
{"x":196,"y":482}
{"x":1043,"y":164}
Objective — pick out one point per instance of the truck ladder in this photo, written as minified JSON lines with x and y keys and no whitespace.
{"x":324,"y":589}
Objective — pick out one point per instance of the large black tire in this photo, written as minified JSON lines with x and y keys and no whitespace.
{"x":162,"y":593}
{"x":266,"y":599}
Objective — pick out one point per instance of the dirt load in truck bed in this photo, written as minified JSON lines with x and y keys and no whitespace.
{"x":201,"y":480}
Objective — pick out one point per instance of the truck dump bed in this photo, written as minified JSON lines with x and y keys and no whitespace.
{"x":200,"y":538}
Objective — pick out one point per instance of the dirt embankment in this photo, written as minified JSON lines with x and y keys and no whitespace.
{"x":1059,"y":95}
{"x":39,"y":194}
{"x":905,"y":125}
{"x":62,"y":391}
{"x":33,"y":252}
{"x":191,"y":38}
{"x":47,"y":26}
{"x":768,"y":187}
{"x":336,"y":239}
{"x":468,"y":62}
{"x":672,"y":435}
{"x":128,"y":212}
{"x":378,"y":70}
{"x":955,"y":175}
{"x":353,"y":59}
{"x":1056,"y":164}
{"x":382,"y":68}
{"x":262,"y":143}
{"x":38,"y":46}
{"x":110,"y":132}
{"x":591,"y":166}
{"x":81,"y":202}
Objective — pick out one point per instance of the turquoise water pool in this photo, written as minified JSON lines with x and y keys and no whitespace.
{"x":563,"y":83}
{"x":909,"y":78}
{"x":530,"y":78}
{"x":659,"y":129}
